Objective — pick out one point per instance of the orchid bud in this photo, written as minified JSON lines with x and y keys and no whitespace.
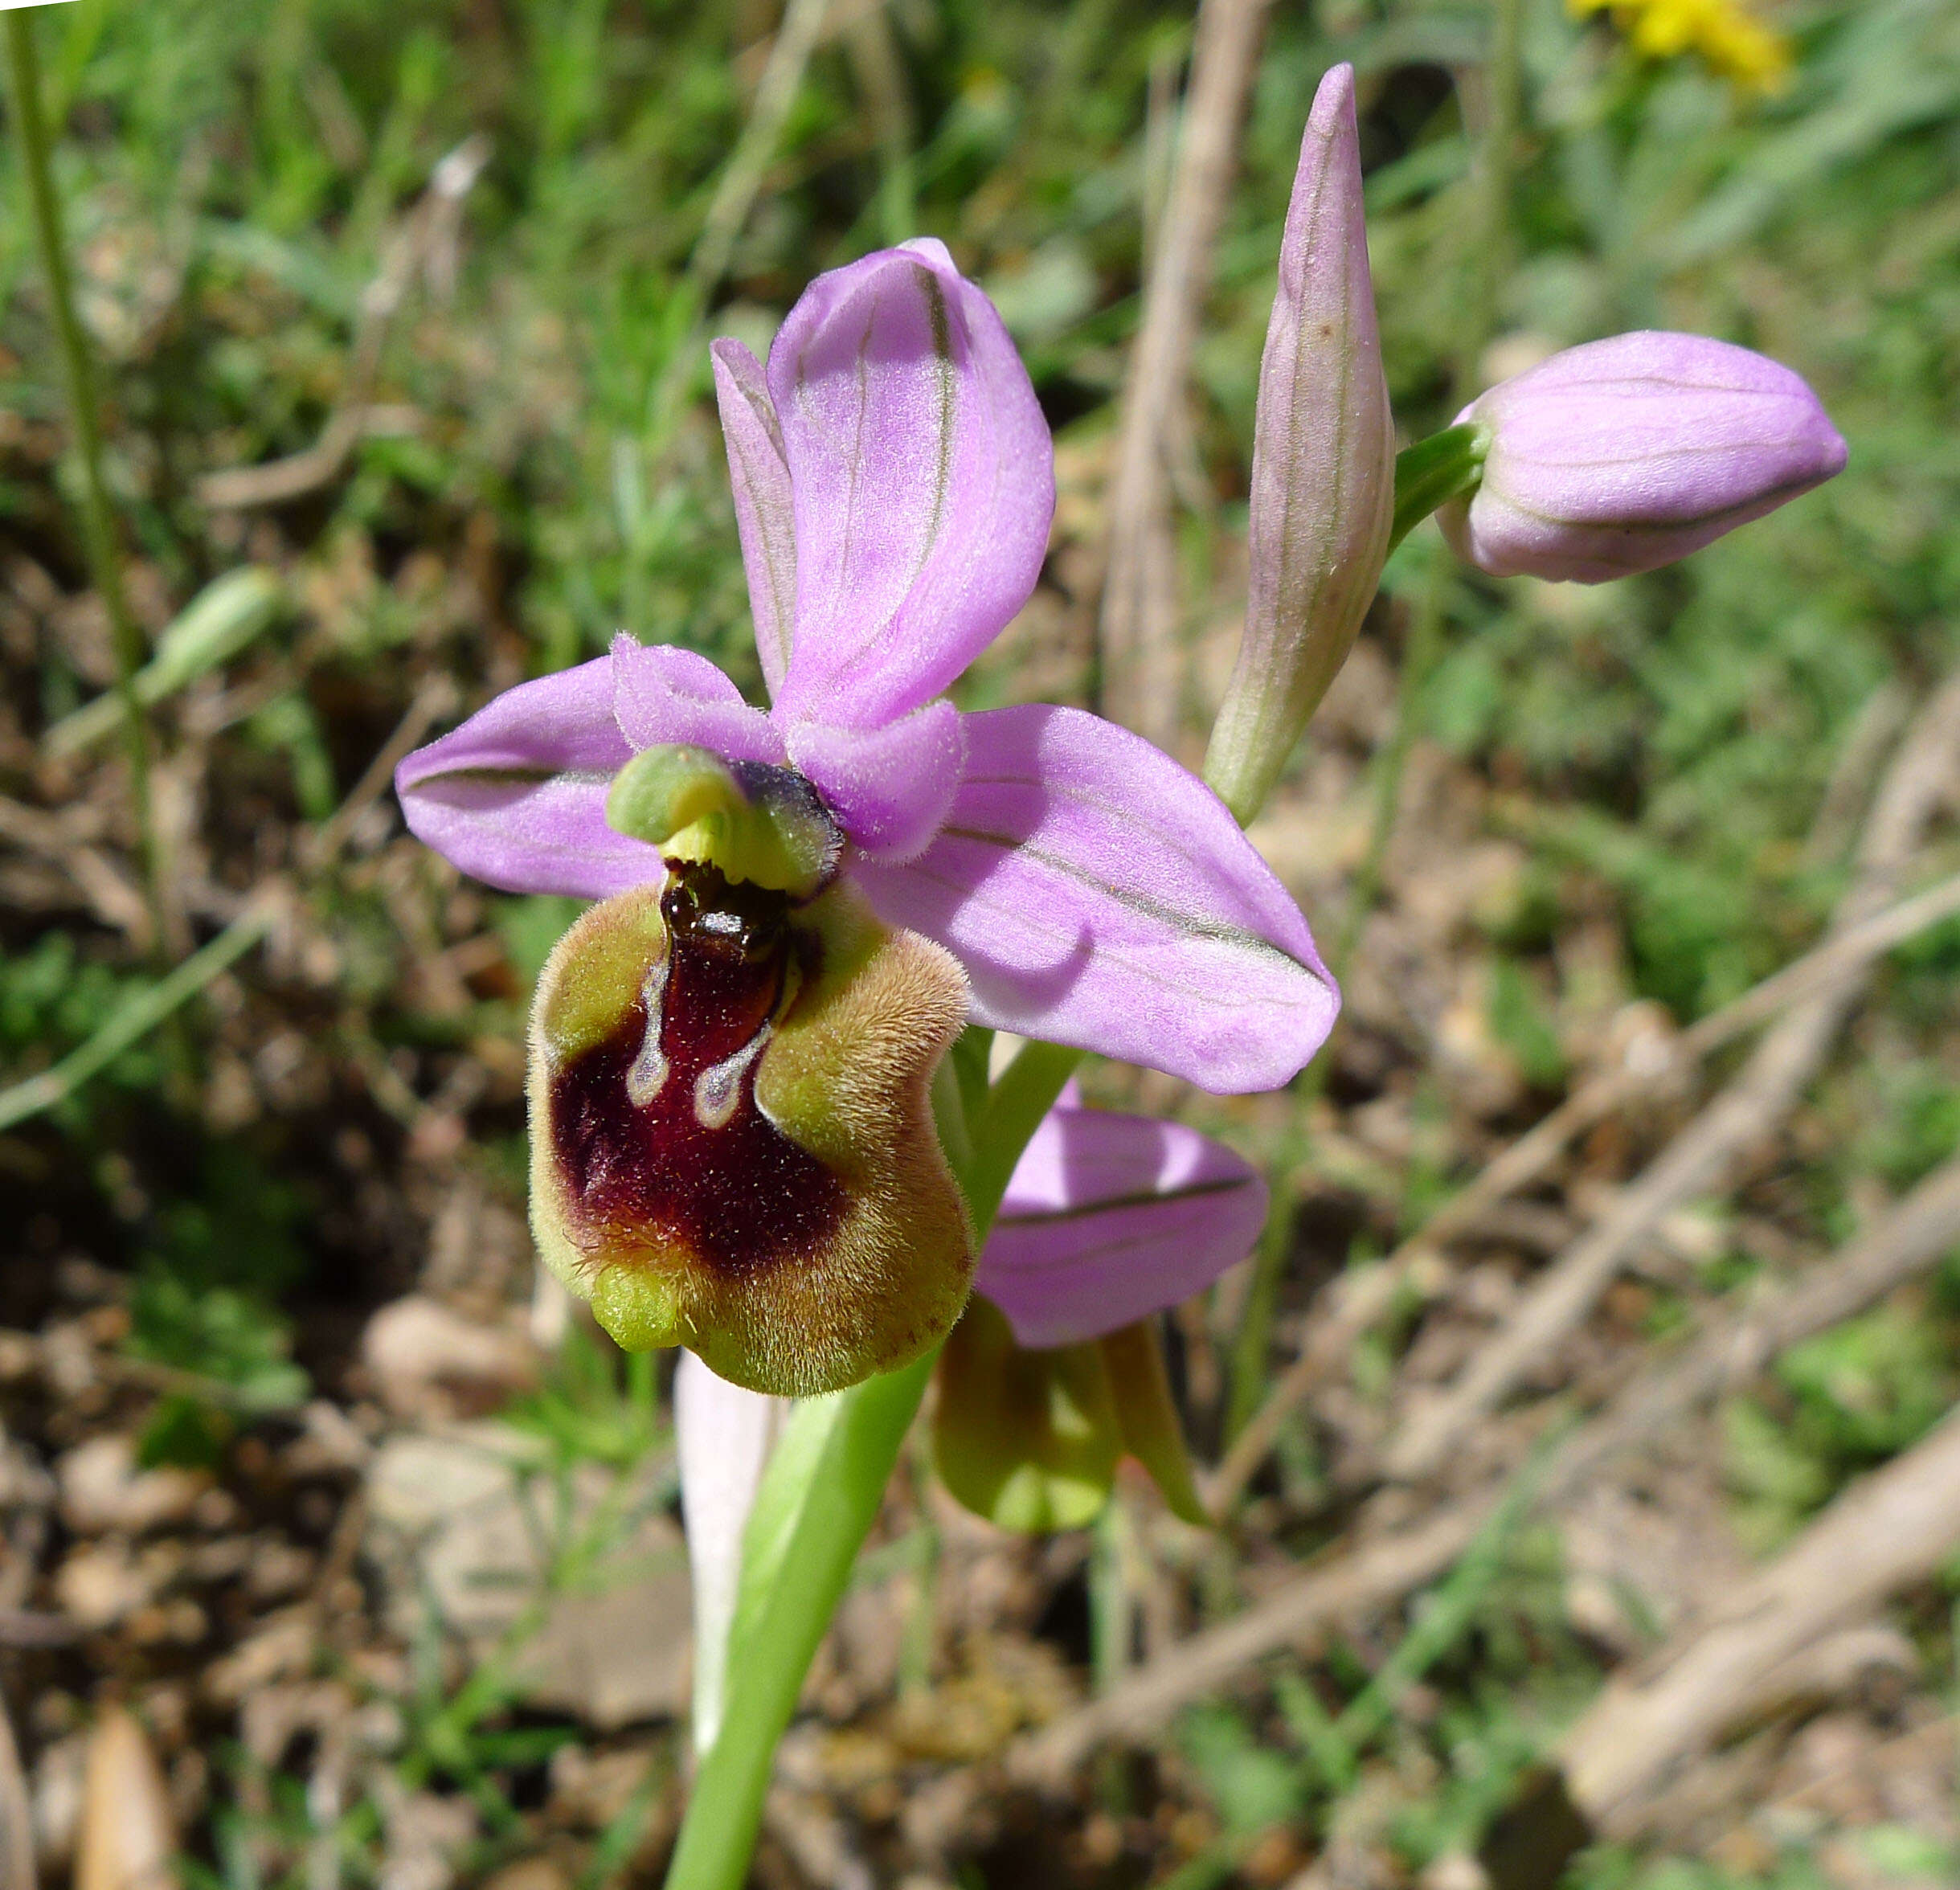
{"x":732,"y":1145}
{"x":1624,"y":454}
{"x":1323,"y":466}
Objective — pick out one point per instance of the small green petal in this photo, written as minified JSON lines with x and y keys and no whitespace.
{"x":1133,"y":1357}
{"x":1029,"y":1440}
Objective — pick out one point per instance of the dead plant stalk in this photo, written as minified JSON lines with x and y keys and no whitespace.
{"x":1706,"y":1153}
{"x":1142,"y":680}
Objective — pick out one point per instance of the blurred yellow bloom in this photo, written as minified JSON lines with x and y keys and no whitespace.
{"x":1729,"y":37}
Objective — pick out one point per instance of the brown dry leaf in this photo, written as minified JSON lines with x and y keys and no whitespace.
{"x":126,"y":1837}
{"x":102,"y":1489}
{"x":431,"y":1364}
{"x":464,"y":1520}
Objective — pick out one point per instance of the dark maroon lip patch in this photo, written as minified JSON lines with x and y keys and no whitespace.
{"x":656,"y":1131}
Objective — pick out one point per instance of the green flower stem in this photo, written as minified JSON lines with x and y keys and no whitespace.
{"x":863,"y":1431}
{"x":820,"y":1497}
{"x":1432,"y":472}
{"x":1253,"y":1340}
{"x":98,"y":525}
{"x":1252,"y":1344}
{"x":1023,"y":1092}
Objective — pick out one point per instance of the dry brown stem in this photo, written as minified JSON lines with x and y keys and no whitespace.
{"x":433,"y":701}
{"x":1365,"y":1297}
{"x":1917,"y":1232}
{"x":1888,"y":1530}
{"x":427,"y":235}
{"x":16,"y":1820}
{"x":1141,"y":678}
{"x":1705,"y":1153}
{"x":775,"y":92}
{"x":126,"y":1840}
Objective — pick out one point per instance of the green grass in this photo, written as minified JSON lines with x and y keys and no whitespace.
{"x":234,"y":175}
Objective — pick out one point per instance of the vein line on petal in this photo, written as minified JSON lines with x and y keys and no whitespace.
{"x":1185,"y":924}
{"x":1113,"y":1203}
{"x":784,"y":607}
{"x":1135,"y":1240}
{"x":517,"y":775}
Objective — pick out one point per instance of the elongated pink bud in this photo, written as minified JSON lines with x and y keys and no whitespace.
{"x":1624,"y":454}
{"x":1323,"y":465}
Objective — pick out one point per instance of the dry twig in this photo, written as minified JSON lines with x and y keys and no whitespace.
{"x":782,"y":78}
{"x":1892,"y":1528}
{"x":433,"y":701}
{"x":36,"y":1094}
{"x":16,"y":1820}
{"x":427,"y":231}
{"x":1141,"y":682}
{"x":1365,"y":1298}
{"x":1922,"y":1228}
{"x":1706,"y":1153}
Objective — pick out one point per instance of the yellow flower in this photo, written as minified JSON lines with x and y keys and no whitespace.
{"x":1728,"y":38}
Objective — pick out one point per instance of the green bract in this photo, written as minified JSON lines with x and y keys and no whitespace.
{"x":1030,"y":1438}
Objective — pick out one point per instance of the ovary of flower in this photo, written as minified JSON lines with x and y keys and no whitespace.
{"x":1727,"y":36}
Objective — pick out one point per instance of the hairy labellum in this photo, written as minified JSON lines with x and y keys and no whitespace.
{"x":732,"y":1146}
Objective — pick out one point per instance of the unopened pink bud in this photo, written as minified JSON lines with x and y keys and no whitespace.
{"x":1323,"y":466}
{"x":1627,"y":454}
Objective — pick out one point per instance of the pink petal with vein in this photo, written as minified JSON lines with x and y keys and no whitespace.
{"x":890,"y":788}
{"x":516,"y":796}
{"x":765,"y":507}
{"x":1101,"y":896}
{"x":664,"y":695}
{"x":1110,"y":1217}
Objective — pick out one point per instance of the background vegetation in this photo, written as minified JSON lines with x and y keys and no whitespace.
{"x":1647,"y":793}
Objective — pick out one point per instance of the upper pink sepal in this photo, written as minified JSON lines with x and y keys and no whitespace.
{"x":923,"y":483}
{"x":765,"y":505}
